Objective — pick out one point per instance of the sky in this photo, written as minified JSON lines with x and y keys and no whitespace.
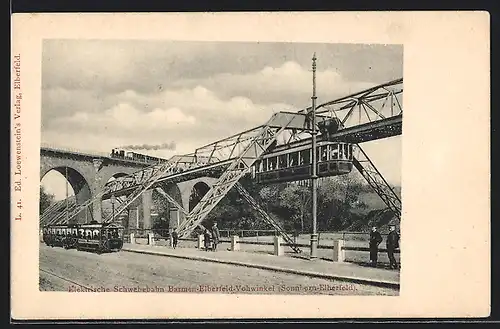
{"x":102,"y":94}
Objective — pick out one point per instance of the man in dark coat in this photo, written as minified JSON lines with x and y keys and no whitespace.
{"x":207,"y":236}
{"x":215,"y":236}
{"x":175,"y":238}
{"x":375,"y":239}
{"x":392,"y":244}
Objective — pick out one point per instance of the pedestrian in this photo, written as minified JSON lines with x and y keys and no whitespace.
{"x":375,"y":240}
{"x":207,"y":236}
{"x":175,"y":238}
{"x":215,"y":236}
{"x":392,"y":244}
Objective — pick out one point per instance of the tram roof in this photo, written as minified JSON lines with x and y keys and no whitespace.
{"x":297,"y":146}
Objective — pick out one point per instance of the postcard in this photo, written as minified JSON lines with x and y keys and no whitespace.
{"x":250,"y":165}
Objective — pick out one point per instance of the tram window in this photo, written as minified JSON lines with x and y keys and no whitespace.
{"x":272,"y":163}
{"x":115,"y":234}
{"x":282,"y":161}
{"x":323,"y":153}
{"x":334,"y":151}
{"x":341,"y":151}
{"x":293,"y":159}
{"x":305,"y":157}
{"x":257,"y":166}
{"x":350,"y":151}
{"x":346,"y":150}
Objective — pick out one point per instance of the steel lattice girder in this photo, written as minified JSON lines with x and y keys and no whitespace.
{"x":153,"y":174}
{"x":107,"y":189}
{"x":377,"y":182}
{"x":265,"y":216}
{"x":231,"y":176}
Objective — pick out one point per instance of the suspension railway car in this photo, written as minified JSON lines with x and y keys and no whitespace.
{"x":285,"y":163}
{"x":333,"y":158}
{"x":95,"y":237}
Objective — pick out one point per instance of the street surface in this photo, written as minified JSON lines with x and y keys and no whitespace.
{"x":72,"y":270}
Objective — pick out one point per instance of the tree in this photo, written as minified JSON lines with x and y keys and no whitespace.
{"x":46,"y":199}
{"x":296,"y":199}
{"x":338,"y":201}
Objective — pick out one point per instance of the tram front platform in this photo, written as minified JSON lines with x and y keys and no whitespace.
{"x":294,"y":264}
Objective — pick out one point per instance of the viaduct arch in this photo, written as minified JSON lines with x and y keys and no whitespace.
{"x":87,"y":174}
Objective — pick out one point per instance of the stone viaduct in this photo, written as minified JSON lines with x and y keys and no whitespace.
{"x":87,"y":173}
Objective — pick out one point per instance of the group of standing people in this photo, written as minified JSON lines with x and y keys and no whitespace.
{"x":211,"y":237}
{"x":392,"y":243}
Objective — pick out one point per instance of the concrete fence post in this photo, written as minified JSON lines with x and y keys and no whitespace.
{"x":278,"y":246}
{"x":171,"y":241}
{"x":201,"y":240}
{"x":132,"y":238}
{"x":41,"y":235}
{"x":235,"y":243}
{"x":338,"y":251}
{"x":151,"y":239}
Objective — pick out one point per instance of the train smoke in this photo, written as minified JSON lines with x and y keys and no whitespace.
{"x":164,"y":146}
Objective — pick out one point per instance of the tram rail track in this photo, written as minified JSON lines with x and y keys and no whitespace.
{"x":65,"y":279}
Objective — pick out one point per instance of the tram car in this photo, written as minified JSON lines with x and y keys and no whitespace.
{"x":285,"y":165}
{"x":71,"y":237}
{"x":54,"y":235}
{"x":100,"y":238}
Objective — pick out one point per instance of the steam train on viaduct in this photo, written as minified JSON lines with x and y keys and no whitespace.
{"x":128,"y":155}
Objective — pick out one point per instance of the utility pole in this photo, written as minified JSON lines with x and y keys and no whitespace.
{"x":67,"y":201}
{"x":314,"y":164}
{"x":112,"y":207}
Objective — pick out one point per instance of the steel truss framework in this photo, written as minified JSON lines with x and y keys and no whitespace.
{"x":254,"y":204}
{"x":235,"y":155}
{"x":374,"y":104}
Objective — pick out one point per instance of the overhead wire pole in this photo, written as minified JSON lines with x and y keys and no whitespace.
{"x":314,"y":177}
{"x":66,"y":186}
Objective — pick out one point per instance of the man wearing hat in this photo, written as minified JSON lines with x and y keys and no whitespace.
{"x":215,"y":236}
{"x":375,"y":239}
{"x":392,"y":244}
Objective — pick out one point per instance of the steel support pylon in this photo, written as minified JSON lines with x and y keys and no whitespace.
{"x":239,"y":166}
{"x":268,"y":219}
{"x":368,"y":170}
